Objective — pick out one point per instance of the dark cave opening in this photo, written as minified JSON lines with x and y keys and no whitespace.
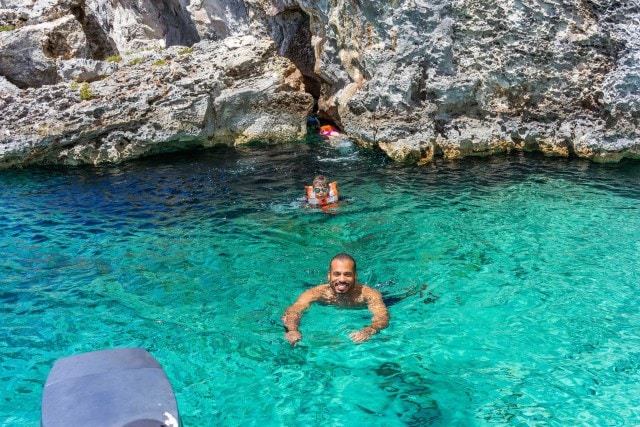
{"x":291,"y":32}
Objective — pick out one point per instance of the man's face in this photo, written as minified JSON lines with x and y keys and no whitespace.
{"x":342,"y":275}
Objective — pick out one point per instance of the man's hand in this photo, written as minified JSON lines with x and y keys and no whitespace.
{"x":293,"y":337}
{"x":362,"y":335}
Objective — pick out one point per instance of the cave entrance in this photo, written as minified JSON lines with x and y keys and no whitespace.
{"x":291,"y":32}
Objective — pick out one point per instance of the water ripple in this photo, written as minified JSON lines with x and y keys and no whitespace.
{"x":512,"y":284}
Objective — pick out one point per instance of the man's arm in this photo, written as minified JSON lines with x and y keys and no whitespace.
{"x":293,"y":314}
{"x":380,"y":318}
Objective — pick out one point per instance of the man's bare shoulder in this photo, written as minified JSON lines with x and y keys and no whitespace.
{"x":308,"y":297}
{"x":369,"y":290}
{"x":317,"y":291}
{"x":370,"y":293}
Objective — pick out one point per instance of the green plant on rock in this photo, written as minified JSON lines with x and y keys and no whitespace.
{"x":85,"y":91}
{"x":114,"y":58}
{"x":7,"y":27}
{"x":160,"y":62}
{"x":135,"y":61}
{"x":185,"y":51}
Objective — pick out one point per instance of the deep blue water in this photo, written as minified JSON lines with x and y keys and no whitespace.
{"x":529,"y":315}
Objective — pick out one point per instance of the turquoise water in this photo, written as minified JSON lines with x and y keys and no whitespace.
{"x":530,"y":314}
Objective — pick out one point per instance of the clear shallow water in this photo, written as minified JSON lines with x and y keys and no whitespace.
{"x":530,"y":316}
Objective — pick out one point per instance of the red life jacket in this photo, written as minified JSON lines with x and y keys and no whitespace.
{"x":328,"y":130}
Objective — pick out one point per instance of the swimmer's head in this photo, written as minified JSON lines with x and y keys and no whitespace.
{"x":342,"y":273}
{"x":320,"y":180}
{"x":321,"y":185}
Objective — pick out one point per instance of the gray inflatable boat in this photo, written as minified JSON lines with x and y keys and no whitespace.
{"x":123,"y":387}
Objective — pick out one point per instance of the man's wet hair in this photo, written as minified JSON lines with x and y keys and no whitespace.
{"x":344,"y":257}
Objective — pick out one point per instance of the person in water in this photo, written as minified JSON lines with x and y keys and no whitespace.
{"x":328,"y":131}
{"x":343,"y":290}
{"x":322,"y":192}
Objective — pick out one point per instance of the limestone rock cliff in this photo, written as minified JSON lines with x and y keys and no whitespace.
{"x":91,"y":81}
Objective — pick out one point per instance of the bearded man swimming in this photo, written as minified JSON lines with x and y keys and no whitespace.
{"x":342,"y":291}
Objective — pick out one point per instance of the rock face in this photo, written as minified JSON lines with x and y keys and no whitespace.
{"x":237,"y":90}
{"x":91,"y":81}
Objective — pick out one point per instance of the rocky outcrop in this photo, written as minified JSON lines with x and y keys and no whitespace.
{"x":230,"y":92}
{"x":477,"y":78}
{"x":415,"y":78}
